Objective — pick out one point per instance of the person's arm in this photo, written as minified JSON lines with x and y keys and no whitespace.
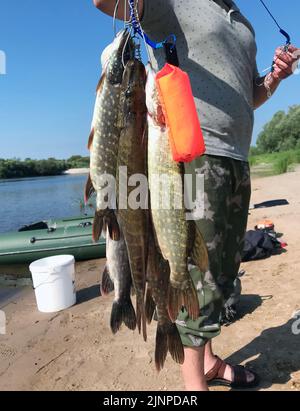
{"x":261,"y":91}
{"x":285,"y":64}
{"x":108,"y":7}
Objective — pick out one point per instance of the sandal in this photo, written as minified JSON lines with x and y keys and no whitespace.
{"x":239,"y":376}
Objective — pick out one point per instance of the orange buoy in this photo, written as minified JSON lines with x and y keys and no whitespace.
{"x":175,"y":91}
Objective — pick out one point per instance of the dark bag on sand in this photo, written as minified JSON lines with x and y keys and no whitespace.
{"x":259,"y":244}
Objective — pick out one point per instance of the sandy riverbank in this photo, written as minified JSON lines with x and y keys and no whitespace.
{"x":75,"y":350}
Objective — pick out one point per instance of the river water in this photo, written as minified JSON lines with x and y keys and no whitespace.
{"x":28,"y":200}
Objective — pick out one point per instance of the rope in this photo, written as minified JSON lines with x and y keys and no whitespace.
{"x":283,"y":32}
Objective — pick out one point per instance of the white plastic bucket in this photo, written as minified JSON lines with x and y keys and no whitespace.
{"x":54,"y":283}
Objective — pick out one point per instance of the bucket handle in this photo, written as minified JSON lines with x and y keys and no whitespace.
{"x":48,"y":282}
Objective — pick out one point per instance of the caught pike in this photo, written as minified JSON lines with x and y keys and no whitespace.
{"x":117,"y":273}
{"x":174,"y":234}
{"x":167,"y":335}
{"x":132,"y":160}
{"x":104,"y":137}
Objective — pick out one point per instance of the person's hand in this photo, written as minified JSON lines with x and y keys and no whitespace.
{"x":285,"y":62}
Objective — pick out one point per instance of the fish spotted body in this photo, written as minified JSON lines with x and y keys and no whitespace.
{"x":170,"y":224}
{"x":117,"y":271}
{"x":104,"y":137}
{"x":132,"y":154}
{"x":167,"y":335}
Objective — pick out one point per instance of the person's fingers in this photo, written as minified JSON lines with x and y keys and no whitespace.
{"x":292,"y":48}
{"x":287,"y":58}
{"x":287,"y":68}
{"x":284,"y":61}
{"x":279,"y":74}
{"x":296,"y":55}
{"x":294,"y":52}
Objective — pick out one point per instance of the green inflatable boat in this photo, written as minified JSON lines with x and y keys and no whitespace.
{"x":48,"y":238}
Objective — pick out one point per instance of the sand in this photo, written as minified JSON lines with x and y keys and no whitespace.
{"x":75,"y":350}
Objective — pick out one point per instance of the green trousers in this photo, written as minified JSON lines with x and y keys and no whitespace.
{"x":223,"y":224}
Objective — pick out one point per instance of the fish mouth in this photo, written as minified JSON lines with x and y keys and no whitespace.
{"x":121,"y":36}
{"x":123,"y":41}
{"x":117,"y":46}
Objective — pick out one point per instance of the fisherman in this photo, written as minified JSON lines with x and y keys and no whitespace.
{"x":216,"y":47}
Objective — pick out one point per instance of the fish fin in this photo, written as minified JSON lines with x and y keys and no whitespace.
{"x":141,"y":317}
{"x":107,"y":285}
{"x":149,"y":306}
{"x":138,"y":316}
{"x":89,"y":189}
{"x":91,"y":138}
{"x":199,"y":252}
{"x":175,"y":345}
{"x":129,"y":316}
{"x":145,"y":135}
{"x":113,"y":226}
{"x":161,"y":347}
{"x":187,"y":298}
{"x":100,"y":83}
{"x":97,"y":226}
{"x":122,"y":311}
{"x":116,"y":317}
{"x":168,"y":339}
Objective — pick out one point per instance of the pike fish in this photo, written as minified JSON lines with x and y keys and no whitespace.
{"x":176,"y":237}
{"x":117,"y":275}
{"x":167,"y":336}
{"x":105,"y":133}
{"x":132,"y":161}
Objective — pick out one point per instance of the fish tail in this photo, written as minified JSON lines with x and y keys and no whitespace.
{"x":107,"y":285}
{"x":199,"y":252}
{"x":129,"y":316}
{"x":116,"y":317}
{"x":168,"y":339}
{"x":178,"y":298}
{"x":122,"y":311}
{"x":97,"y":225}
{"x":161,"y":347}
{"x":149,"y":306}
{"x":112,"y":225}
{"x":175,"y":345}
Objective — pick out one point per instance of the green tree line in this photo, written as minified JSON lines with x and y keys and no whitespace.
{"x":280,"y":134}
{"x":15,"y":168}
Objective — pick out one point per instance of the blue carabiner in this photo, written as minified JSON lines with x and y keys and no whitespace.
{"x":138,"y":29}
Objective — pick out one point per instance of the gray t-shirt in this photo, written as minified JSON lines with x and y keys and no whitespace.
{"x":217,"y":49}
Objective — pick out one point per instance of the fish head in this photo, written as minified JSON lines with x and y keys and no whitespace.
{"x":134,"y":81}
{"x":121,"y":51}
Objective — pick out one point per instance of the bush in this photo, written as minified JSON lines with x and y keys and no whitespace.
{"x":31,"y":168}
{"x":282,"y":133}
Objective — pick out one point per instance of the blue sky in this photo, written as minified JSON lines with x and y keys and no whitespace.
{"x":53,"y":49}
